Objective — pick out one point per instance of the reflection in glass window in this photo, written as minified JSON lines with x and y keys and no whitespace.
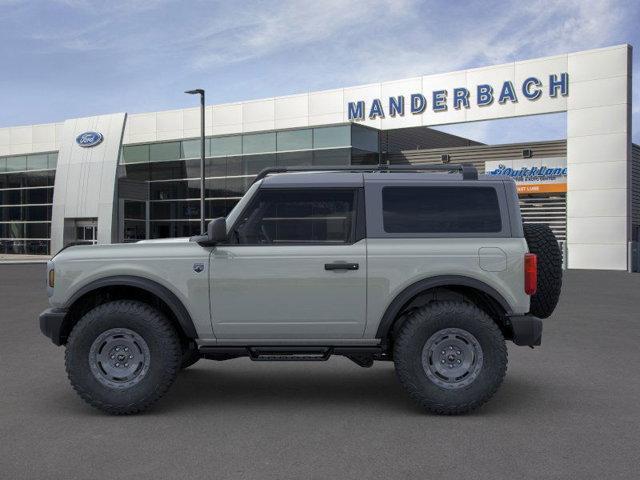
{"x":328,"y":137}
{"x":339,"y":156}
{"x":134,"y":209}
{"x":364,"y":138}
{"x":295,"y":159}
{"x":38,"y":162}
{"x":223,"y":146}
{"x":295,"y":140}
{"x":162,"y":152}
{"x":17,"y":164}
{"x":52,"y":160}
{"x":254,"y":164}
{"x":191,"y":148}
{"x":134,"y":230}
{"x":135,"y":153}
{"x":259,"y":143}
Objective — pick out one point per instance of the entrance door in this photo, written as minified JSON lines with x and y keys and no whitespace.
{"x":86,"y":232}
{"x":295,"y":268}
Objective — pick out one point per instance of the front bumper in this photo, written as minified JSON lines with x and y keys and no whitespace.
{"x":527,"y":330}
{"x":51,"y":322}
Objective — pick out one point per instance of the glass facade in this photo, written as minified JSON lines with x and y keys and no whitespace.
{"x":167,"y":174}
{"x":26,"y":196}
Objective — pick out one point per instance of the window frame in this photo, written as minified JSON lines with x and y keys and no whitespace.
{"x":375,"y":215}
{"x":357,"y":233}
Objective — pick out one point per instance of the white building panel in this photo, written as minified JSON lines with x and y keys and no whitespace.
{"x":598,"y":93}
{"x":328,"y":104}
{"x":598,"y":256}
{"x":258,"y":115}
{"x":597,"y":203}
{"x":227,"y":119}
{"x":607,"y":147}
{"x":599,"y":63}
{"x":597,"y":120}
{"x":597,"y":176}
{"x":292,"y":111}
{"x":598,"y":230}
{"x":21,"y":135}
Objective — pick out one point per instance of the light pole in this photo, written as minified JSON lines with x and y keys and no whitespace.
{"x":200,"y":91}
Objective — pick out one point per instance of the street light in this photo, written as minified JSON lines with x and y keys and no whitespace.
{"x":200,"y":91}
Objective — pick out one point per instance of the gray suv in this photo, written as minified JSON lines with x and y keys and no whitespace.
{"x":428,"y":266}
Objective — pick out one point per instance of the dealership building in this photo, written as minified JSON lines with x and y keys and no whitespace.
{"x":125,"y":177}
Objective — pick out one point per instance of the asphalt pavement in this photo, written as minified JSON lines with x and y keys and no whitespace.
{"x":568,"y":409}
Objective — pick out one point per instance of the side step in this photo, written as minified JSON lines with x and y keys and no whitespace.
{"x":290,"y":354}
{"x":363,"y":356}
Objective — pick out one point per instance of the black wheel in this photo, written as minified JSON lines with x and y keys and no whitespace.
{"x":451,"y":357}
{"x":543,"y":243}
{"x":190,"y":355}
{"x":122,"y":356}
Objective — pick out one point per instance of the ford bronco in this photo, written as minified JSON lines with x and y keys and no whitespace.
{"x":428,"y":266}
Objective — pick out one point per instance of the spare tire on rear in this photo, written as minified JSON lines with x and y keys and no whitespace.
{"x":543,"y":243}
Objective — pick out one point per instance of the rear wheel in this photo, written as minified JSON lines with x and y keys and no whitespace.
{"x":122,"y":356}
{"x":451,"y":357}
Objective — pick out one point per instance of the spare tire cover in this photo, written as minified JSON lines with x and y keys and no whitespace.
{"x":543,"y":243}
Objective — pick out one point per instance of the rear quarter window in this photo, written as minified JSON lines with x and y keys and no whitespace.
{"x":441,"y":209}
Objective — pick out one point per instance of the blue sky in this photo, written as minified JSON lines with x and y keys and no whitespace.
{"x":72,"y":58}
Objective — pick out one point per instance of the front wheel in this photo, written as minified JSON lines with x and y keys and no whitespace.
{"x":451,"y":357}
{"x":122,"y":356}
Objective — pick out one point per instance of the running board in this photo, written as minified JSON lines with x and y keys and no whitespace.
{"x":290,"y":354}
{"x":358,"y":354}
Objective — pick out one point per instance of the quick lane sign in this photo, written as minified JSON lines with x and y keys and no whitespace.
{"x":543,"y":175}
{"x":482,"y":95}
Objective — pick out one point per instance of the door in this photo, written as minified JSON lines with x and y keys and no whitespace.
{"x":86,"y":232}
{"x":295,"y":267}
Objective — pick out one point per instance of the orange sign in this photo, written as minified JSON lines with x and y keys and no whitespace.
{"x":542,"y":187}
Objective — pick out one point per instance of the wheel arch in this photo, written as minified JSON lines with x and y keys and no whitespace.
{"x":128,"y":287}
{"x":475,"y":291}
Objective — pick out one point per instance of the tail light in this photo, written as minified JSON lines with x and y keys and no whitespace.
{"x":530,"y":273}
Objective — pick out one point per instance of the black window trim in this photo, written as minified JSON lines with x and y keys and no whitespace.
{"x":358,"y":225}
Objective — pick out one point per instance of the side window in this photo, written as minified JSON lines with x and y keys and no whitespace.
{"x":298,"y":216}
{"x":439,"y":209}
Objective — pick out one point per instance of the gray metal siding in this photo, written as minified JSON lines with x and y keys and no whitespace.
{"x":635,"y":188}
{"x":397,"y":140}
{"x":479,"y":154}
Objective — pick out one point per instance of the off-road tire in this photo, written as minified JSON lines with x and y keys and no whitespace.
{"x":164,"y":350}
{"x":416,"y":331}
{"x":190,"y":355}
{"x":543,"y":243}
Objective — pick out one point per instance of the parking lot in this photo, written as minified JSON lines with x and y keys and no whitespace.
{"x":569,"y":409}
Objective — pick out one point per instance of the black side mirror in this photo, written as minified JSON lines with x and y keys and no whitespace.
{"x":217,"y":230}
{"x":216,"y":233}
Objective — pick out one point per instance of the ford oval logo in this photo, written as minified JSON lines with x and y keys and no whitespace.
{"x":89,"y":139}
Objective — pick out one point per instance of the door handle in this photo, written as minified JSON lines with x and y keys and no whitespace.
{"x":341,"y":266}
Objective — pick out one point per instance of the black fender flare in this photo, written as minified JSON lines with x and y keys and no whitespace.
{"x":160,"y":291}
{"x":392,"y":311}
